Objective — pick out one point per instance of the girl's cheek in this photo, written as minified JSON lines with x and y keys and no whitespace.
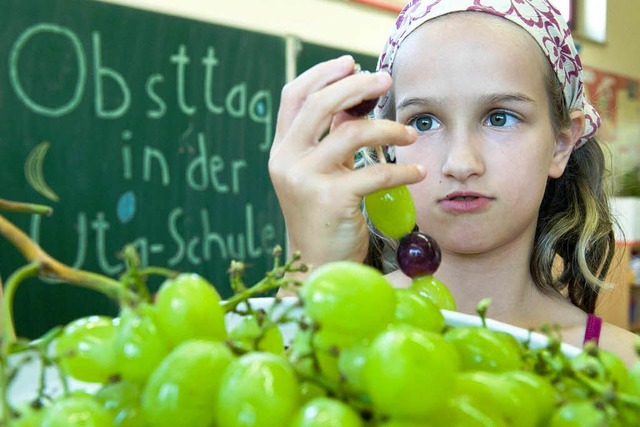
{"x":430,"y":159}
{"x":411,"y":154}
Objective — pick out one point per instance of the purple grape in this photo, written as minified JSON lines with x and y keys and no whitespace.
{"x":362,"y":109}
{"x":418,"y":254}
{"x":365,"y":107}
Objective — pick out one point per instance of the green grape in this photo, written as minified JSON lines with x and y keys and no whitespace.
{"x":27,"y":415}
{"x":391,"y":211}
{"x":300,"y":349}
{"x":76,"y":410}
{"x":415,"y":310}
{"x":617,"y":372}
{"x":317,"y":352}
{"x":409,"y":371}
{"x":434,"y":290}
{"x":393,"y":422}
{"x":85,"y":348}
{"x":327,"y":346}
{"x":603,"y":366}
{"x":571,"y":389}
{"x":184,"y":388}
{"x":634,"y":374}
{"x":189,"y":308}
{"x":625,"y":417}
{"x":482,"y":349}
{"x":258,"y":389}
{"x":139,"y":346}
{"x":588,"y":365}
{"x":578,"y":414}
{"x":343,"y":290}
{"x":540,"y":390}
{"x":310,"y":390}
{"x":465,"y":411}
{"x":326,"y":412}
{"x":351,"y":361}
{"x":249,"y":335}
{"x":516,"y":406}
{"x":121,"y":399}
{"x":328,"y":340}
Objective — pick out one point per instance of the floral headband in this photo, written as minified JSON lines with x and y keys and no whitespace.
{"x":537,"y":17}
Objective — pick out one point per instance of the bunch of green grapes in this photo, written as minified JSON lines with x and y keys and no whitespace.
{"x":363,"y":354}
{"x":169,"y":362}
{"x":396,"y":362}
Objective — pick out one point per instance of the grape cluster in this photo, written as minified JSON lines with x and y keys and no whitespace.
{"x":362,"y":353}
{"x":393,"y":213}
{"x":357,"y":353}
{"x":401,"y":365}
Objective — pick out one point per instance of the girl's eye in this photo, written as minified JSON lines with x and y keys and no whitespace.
{"x":424,"y":123}
{"x":502,"y":119}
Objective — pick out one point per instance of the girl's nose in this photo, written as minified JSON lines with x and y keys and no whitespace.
{"x":463,"y":159}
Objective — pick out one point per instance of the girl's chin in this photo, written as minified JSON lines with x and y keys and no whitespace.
{"x":463,"y":243}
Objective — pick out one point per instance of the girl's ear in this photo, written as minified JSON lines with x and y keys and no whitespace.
{"x":565,"y":143}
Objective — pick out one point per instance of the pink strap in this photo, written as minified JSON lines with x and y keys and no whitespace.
{"x":592,"y":331}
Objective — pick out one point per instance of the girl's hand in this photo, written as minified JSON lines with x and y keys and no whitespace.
{"x":318,"y":190}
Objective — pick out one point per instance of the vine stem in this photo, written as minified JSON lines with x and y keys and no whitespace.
{"x":273,"y":280}
{"x":263,"y":286}
{"x":4,"y":409}
{"x":8,"y":328}
{"x":53,"y":269}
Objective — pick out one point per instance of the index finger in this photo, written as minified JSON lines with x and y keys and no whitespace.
{"x":315,"y":78}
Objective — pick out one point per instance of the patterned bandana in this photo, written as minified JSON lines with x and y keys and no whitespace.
{"x":537,"y":17}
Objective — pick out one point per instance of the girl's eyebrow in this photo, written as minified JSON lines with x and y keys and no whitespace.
{"x":420,"y":102}
{"x":490,"y":98}
{"x":497,"y":98}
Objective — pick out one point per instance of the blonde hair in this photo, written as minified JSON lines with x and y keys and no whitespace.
{"x":574,"y":221}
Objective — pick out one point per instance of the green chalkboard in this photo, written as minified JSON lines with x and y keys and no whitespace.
{"x":310,"y":54}
{"x":136,"y":127}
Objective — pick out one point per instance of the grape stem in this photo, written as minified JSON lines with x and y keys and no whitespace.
{"x":265,"y":285}
{"x":134,"y":277}
{"x":607,"y":391}
{"x":4,"y":384}
{"x":53,"y":269}
{"x":274,"y":279}
{"x":380,"y":154}
{"x":8,"y":328}
{"x":482,"y":308}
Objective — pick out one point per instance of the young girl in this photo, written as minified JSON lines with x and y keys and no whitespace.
{"x":483,"y":108}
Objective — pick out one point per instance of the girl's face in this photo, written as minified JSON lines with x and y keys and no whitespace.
{"x":473,"y":86}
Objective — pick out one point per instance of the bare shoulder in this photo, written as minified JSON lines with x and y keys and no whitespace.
{"x":619,"y":341}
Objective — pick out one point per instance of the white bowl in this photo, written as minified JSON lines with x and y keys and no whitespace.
{"x":452,"y":318}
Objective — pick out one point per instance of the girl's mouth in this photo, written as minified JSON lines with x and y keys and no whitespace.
{"x":465,"y":202}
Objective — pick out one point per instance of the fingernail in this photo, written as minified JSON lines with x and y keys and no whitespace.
{"x":411,"y":131}
{"x":382,"y":76}
{"x":346,"y":58}
{"x":421,"y":170}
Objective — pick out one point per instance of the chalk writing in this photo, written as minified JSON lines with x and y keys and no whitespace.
{"x":238,"y":102}
{"x":205,"y":246}
{"x":137,"y":128}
